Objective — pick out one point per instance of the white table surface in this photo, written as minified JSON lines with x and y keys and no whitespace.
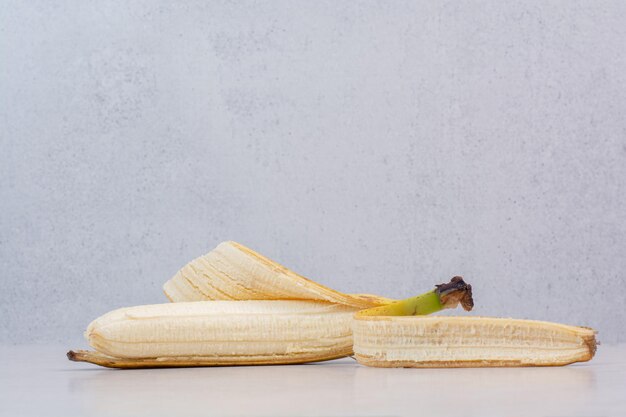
{"x":40,"y":381}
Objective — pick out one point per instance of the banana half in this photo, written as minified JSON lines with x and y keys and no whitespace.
{"x":213,"y":333}
{"x":461,"y":342}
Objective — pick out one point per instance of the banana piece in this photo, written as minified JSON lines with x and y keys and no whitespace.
{"x":456,"y":342}
{"x":220,"y":333}
{"x":232,"y":271}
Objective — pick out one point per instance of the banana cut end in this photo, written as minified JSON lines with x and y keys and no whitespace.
{"x":592,"y":344}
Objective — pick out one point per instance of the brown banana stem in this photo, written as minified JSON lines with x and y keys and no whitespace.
{"x":454,"y":292}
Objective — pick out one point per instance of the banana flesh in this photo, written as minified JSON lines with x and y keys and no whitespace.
{"x":223,"y":333}
{"x":430,"y":342}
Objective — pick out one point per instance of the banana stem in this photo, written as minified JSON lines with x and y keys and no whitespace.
{"x":444,"y":296}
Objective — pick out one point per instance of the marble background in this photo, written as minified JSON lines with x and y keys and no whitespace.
{"x":377,"y":147}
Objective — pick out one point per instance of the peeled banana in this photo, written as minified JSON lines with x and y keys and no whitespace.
{"x":221,"y":333}
{"x":234,"y":306}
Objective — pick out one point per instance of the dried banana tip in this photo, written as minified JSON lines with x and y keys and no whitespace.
{"x":456,"y":292}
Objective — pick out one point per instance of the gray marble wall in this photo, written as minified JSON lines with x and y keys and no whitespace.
{"x":377,"y":147}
